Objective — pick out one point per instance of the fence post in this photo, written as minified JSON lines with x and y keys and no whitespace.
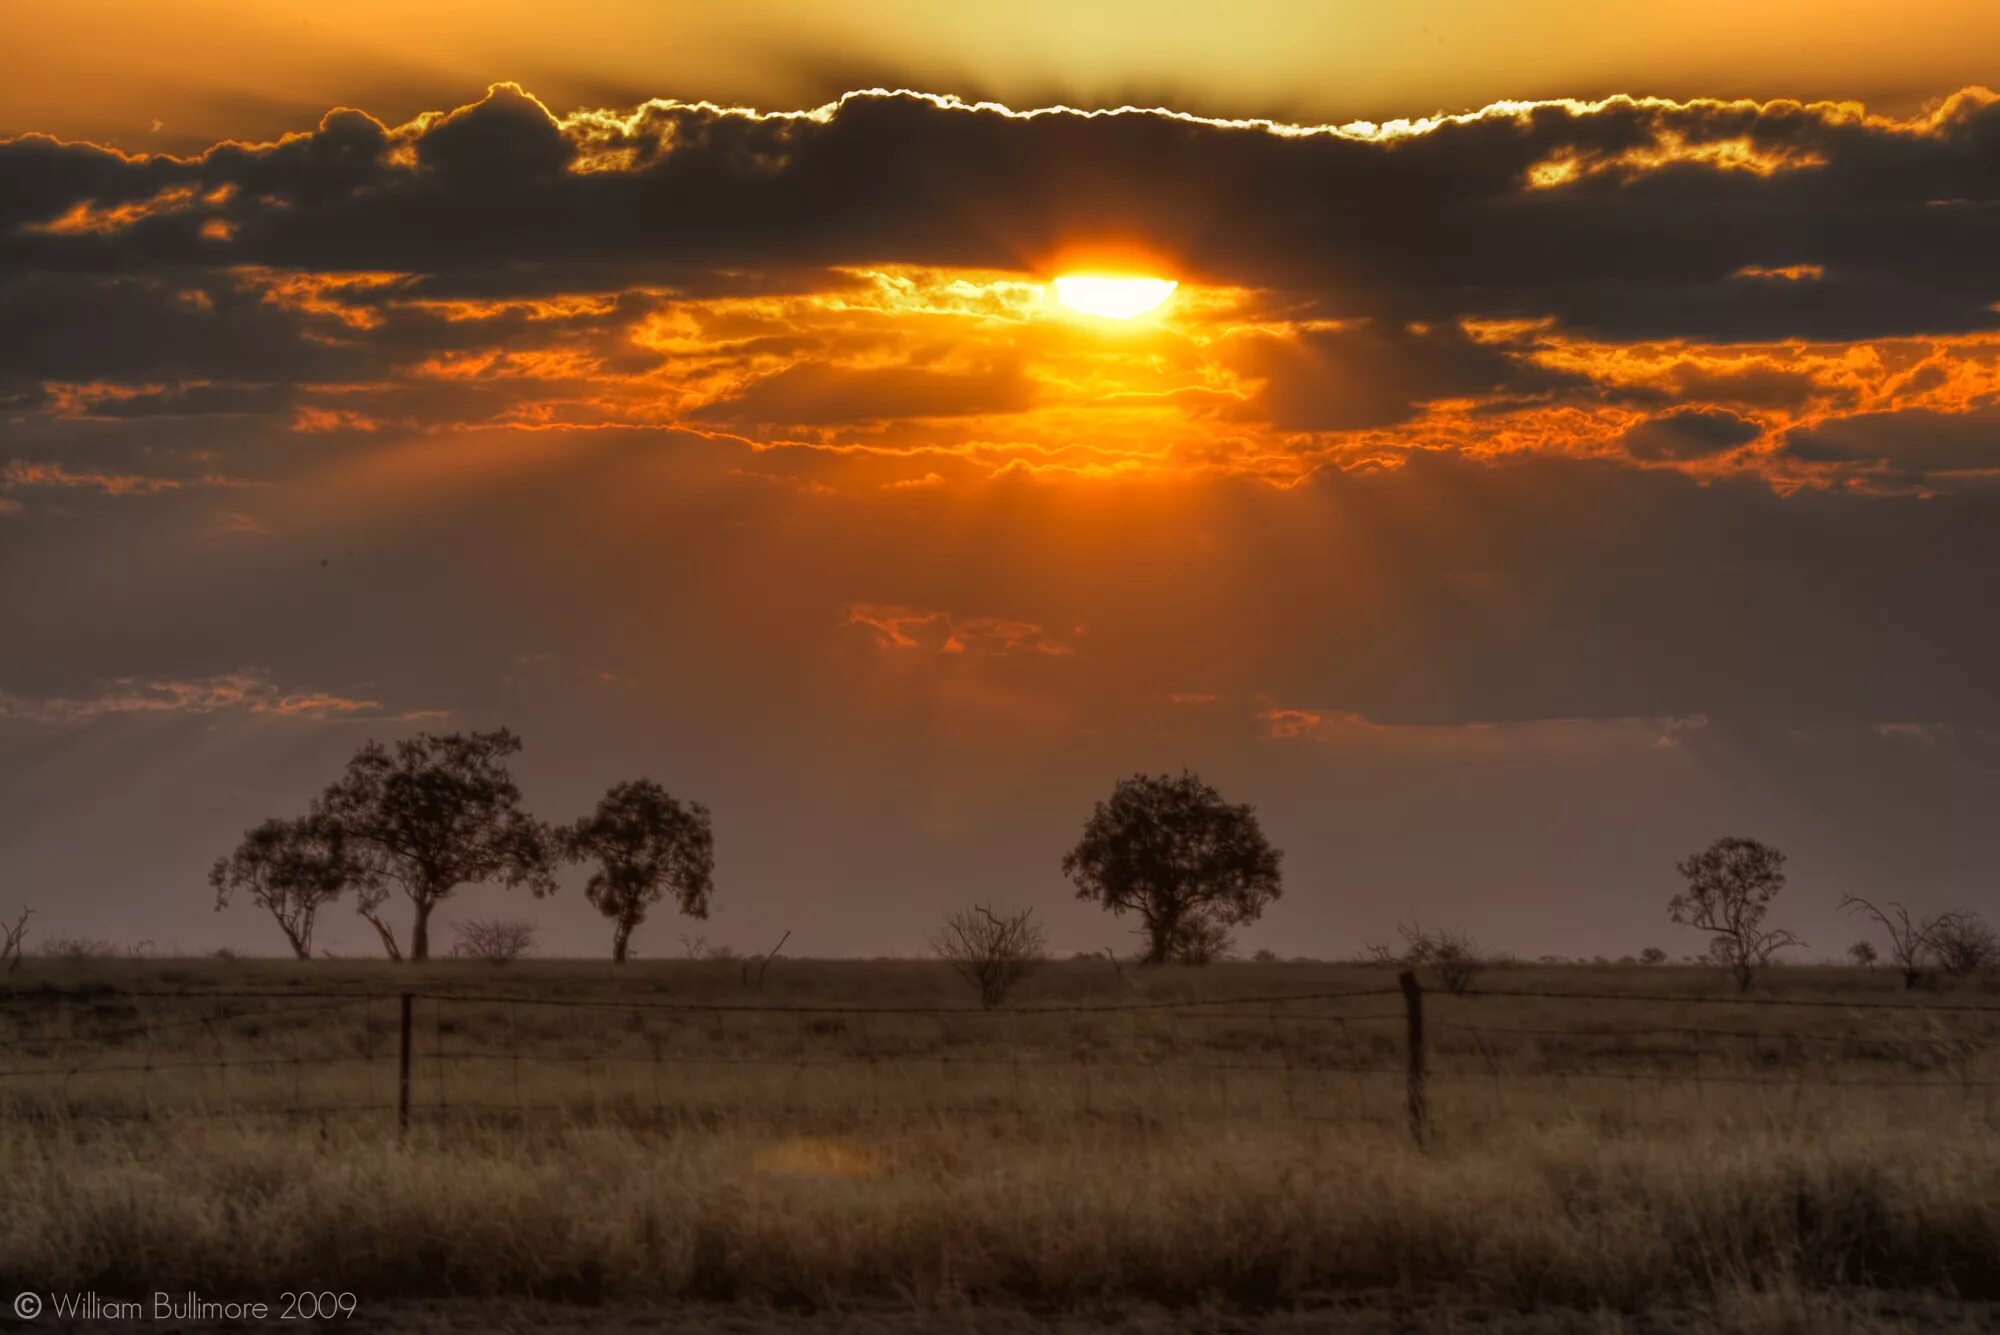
{"x":403,"y":1070}
{"x":1413,"y":1006}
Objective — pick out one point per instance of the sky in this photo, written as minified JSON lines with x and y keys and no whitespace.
{"x":1570,"y":439}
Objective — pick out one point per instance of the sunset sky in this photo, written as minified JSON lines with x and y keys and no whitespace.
{"x":1572,"y":436}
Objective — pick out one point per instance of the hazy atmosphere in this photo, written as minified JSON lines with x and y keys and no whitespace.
{"x":1511,"y":497}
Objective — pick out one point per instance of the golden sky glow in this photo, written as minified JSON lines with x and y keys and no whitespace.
{"x":1418,"y":417}
{"x":208,"y":69}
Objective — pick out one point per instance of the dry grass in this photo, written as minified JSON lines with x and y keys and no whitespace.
{"x":1240,"y":1157}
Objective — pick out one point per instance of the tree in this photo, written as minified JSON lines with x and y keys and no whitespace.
{"x":1172,"y":851}
{"x":1652,"y":955}
{"x":647,"y":844}
{"x":990,"y":951}
{"x":1863,"y":954}
{"x":1909,"y":938}
{"x":1965,"y":943}
{"x":1731,"y":884}
{"x":13,"y":938}
{"x":494,"y":940}
{"x":290,"y":869}
{"x":436,"y":813}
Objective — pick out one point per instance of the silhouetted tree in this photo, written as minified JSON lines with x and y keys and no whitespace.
{"x":434,"y":813}
{"x":1652,"y":955}
{"x":1731,"y":884}
{"x":1171,"y":850}
{"x":991,"y":951}
{"x":647,"y":844}
{"x":1909,"y":938}
{"x":1863,"y":954}
{"x":290,"y":869}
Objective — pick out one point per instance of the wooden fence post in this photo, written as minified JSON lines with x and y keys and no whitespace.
{"x":1413,"y":1006}
{"x":403,"y":1070}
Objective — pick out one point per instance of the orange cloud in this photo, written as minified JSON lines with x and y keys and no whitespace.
{"x":898,"y":627}
{"x":249,"y":691}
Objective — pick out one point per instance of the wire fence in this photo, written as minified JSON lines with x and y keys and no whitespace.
{"x":1389,"y":1053}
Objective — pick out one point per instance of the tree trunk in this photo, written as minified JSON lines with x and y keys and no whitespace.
{"x":303,"y":949}
{"x":420,"y":931}
{"x":621,"y":937}
{"x":389,"y":946}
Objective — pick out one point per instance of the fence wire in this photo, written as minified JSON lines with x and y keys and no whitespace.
{"x":77,"y":1056}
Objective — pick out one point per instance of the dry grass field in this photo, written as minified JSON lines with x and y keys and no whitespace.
{"x":669,"y":1145}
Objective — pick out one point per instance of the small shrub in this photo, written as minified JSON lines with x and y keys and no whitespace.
{"x":494,"y":940}
{"x":1652,"y":955}
{"x":1452,"y":956}
{"x":1963,"y":942}
{"x":989,"y":951}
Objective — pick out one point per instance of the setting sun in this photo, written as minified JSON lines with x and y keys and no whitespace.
{"x":1112,"y":298}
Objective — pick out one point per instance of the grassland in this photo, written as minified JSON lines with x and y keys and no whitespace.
{"x":1183,"y":1144}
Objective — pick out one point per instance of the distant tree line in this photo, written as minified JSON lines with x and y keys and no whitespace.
{"x":439,"y":812}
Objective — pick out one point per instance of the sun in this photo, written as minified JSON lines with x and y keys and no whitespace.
{"x":1113,"y":297}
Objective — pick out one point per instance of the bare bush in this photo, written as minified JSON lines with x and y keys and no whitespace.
{"x":12,"y":938}
{"x":1963,"y":942}
{"x":1910,"y":939}
{"x":1454,"y":959}
{"x":990,"y":951}
{"x":494,"y":940}
{"x":75,"y":948}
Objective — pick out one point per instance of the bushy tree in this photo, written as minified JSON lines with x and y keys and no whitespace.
{"x":1863,"y":954}
{"x":1965,"y":942}
{"x":1652,"y":955}
{"x":290,"y":869}
{"x":1730,"y":886}
{"x":432,"y":814}
{"x":1171,"y":850}
{"x":647,"y":845}
{"x":991,"y":951}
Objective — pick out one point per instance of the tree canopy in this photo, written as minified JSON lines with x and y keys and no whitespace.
{"x":289,"y":868}
{"x":435,"y":812}
{"x":646,"y":844}
{"x":1170,"y":849}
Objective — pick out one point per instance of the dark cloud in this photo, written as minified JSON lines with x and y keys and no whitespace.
{"x":1913,"y":444}
{"x":1376,"y":373}
{"x":1690,"y":433}
{"x":1625,"y":218}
